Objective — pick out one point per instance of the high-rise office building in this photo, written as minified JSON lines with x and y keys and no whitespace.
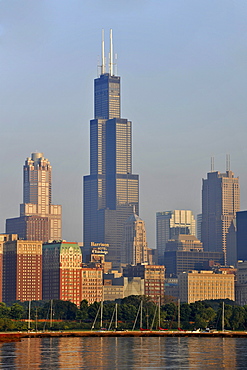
{"x":220,"y":202}
{"x":199,"y":226}
{"x":169,"y":224}
{"x":241,"y":236}
{"x":111,"y":190}
{"x":39,"y":218}
{"x":134,"y":241}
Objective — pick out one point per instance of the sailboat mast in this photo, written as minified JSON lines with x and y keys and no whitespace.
{"x":223,"y":316}
{"x":159,"y":312}
{"x":141,"y":316}
{"x":179,"y":313}
{"x":51,"y":315}
{"x":29,"y":315}
{"x":116,"y":317}
{"x":101,"y":315}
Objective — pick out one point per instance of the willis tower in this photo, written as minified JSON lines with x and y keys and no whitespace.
{"x":111,"y":191}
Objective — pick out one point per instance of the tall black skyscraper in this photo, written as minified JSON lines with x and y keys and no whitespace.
{"x":242,"y":235}
{"x":111,"y":191}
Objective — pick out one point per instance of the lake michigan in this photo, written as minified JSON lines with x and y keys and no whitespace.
{"x":125,"y":353}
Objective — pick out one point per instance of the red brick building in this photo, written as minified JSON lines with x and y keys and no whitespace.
{"x":62,"y":266}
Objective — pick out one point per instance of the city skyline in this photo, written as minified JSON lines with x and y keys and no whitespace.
{"x":184,"y":83}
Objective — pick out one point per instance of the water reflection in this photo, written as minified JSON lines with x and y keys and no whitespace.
{"x":123,"y":353}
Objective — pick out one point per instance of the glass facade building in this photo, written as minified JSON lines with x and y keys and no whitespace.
{"x":169,"y":224}
{"x":111,"y":191}
{"x":220,"y":202}
{"x":242,"y":235}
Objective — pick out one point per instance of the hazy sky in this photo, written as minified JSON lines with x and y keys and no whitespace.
{"x":183,"y":75}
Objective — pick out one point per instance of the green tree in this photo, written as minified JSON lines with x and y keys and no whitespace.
{"x":4,"y":310}
{"x":237,"y":318}
{"x":16,"y":311}
{"x":82,"y":313}
{"x":62,"y":310}
{"x":6,"y":324}
{"x":127,"y":312}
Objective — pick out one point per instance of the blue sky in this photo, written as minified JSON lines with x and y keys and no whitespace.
{"x":183,"y":74}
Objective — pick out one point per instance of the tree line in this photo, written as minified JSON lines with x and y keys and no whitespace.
{"x":63,"y":315}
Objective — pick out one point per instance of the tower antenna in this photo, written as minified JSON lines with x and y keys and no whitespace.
{"x":115,"y":64}
{"x":212,"y":163}
{"x":103,"y":52}
{"x":228,"y":162}
{"x":111,"y":55}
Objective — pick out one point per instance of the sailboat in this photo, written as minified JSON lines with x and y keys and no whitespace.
{"x":139,"y":309}
{"x":100,"y":310}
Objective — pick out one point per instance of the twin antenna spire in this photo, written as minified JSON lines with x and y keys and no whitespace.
{"x":228,"y":161}
{"x":111,"y":64}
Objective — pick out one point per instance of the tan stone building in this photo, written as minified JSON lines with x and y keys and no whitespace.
{"x":134,"y":249}
{"x":92,"y":284}
{"x":39,"y":218}
{"x":22,"y":270}
{"x":201,"y":285}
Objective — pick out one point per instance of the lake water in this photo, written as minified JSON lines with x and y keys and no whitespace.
{"x":125,"y":353}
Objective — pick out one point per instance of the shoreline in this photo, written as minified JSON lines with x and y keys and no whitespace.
{"x":17,"y":336}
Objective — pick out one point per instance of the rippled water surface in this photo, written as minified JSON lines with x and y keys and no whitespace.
{"x":125,"y":353}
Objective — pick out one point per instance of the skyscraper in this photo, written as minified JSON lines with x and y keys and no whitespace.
{"x":134,"y":249}
{"x":220,"y":202}
{"x":39,"y":219}
{"x":242,"y":236}
{"x":111,"y":190}
{"x":170,"y":224}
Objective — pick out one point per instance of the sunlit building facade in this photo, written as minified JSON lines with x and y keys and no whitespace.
{"x":134,"y":241}
{"x":62,"y":265}
{"x":202,"y":285}
{"x":92,"y":284}
{"x":39,"y":218}
{"x":170,"y":224}
{"x":22,"y":270}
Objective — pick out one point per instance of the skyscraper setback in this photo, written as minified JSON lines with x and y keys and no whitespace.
{"x":111,"y":190}
{"x":39,"y":218}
